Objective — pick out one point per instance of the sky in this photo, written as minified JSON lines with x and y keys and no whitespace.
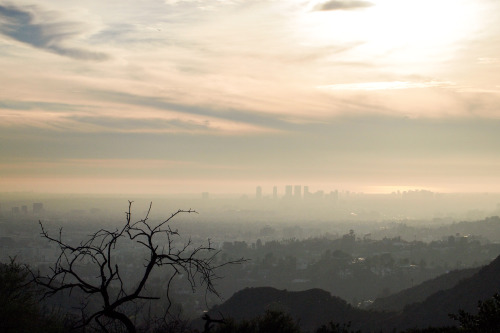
{"x":187,"y":96}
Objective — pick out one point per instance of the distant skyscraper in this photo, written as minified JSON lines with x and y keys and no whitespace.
{"x":335,"y":195}
{"x":37,"y":208}
{"x":288,"y":191}
{"x":24,"y":209}
{"x":258,"y":192}
{"x":297,"y":191}
{"x":275,"y":192}
{"x":306,"y":192}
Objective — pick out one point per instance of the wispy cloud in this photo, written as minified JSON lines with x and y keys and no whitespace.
{"x":192,"y":125}
{"x":388,"y":85}
{"x":488,"y":61}
{"x":155,"y":116}
{"x":34,"y":105}
{"x":217,"y":115}
{"x":343,"y":5}
{"x":20,"y":23}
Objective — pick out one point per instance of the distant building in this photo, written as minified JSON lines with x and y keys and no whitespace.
{"x":307,"y":194}
{"x":288,"y":191}
{"x":334,"y":195}
{"x":37,"y":208}
{"x":319,"y":194}
{"x":275,"y":193}
{"x":258,"y":192}
{"x":24,"y":209}
{"x":297,"y":191}
{"x":15,"y":210}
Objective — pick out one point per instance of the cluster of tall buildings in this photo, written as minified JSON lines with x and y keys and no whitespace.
{"x":295,"y":192}
{"x":37,"y":209}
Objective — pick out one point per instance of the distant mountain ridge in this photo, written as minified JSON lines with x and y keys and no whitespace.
{"x":398,"y":301}
{"x":434,"y":310}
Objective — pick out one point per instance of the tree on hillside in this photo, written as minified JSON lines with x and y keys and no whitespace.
{"x":270,"y":322}
{"x":106,"y":283}
{"x":336,"y":328}
{"x":487,"y":319}
{"x":19,"y":308}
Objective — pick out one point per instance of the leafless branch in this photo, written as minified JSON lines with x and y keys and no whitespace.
{"x":196,"y":263}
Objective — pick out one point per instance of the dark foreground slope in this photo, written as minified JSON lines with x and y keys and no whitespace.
{"x":311,"y":308}
{"x":315,"y":307}
{"x":398,"y":301}
{"x":434,"y":310}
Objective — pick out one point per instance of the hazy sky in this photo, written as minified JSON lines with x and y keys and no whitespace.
{"x":170,"y":96}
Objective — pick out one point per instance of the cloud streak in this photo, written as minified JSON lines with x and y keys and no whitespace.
{"x":37,"y":105}
{"x":343,"y":5}
{"x":21,"y":24}
{"x":387,"y":85}
{"x":251,"y":119}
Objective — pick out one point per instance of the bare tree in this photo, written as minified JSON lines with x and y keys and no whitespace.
{"x":196,"y":263}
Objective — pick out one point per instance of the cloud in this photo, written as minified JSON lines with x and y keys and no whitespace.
{"x":37,"y":105}
{"x":23,"y":24}
{"x":488,"y":61}
{"x":154,"y":116}
{"x":158,"y":125}
{"x":389,"y":85}
{"x":264,"y":122}
{"x":343,"y":5}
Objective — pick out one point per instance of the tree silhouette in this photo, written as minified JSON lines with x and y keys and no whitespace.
{"x":17,"y":299}
{"x":19,"y":307}
{"x":486,"y":320}
{"x":271,"y":322}
{"x":107,"y":284}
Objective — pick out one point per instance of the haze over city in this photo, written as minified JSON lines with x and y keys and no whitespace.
{"x":184,"y":96}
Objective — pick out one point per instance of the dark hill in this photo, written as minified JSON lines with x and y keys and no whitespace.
{"x":315,"y":307}
{"x":398,"y":301}
{"x":434,"y":310}
{"x":311,"y":308}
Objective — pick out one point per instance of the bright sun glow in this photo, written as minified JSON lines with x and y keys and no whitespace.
{"x":395,"y":30}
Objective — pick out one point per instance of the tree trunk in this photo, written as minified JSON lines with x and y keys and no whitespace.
{"x":124,"y":319}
